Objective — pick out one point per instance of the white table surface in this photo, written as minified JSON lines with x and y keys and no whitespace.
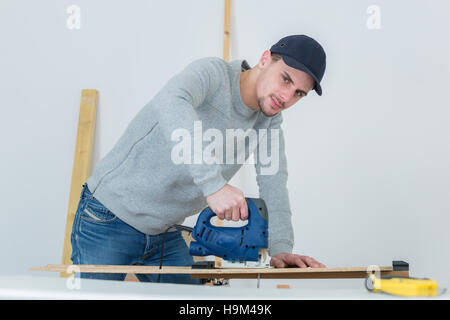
{"x":43,"y":287}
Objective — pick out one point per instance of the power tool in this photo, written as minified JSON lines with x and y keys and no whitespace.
{"x":244,"y":246}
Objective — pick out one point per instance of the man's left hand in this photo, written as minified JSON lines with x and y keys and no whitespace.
{"x":285,"y":260}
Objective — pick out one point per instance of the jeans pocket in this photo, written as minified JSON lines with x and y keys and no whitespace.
{"x":95,"y":211}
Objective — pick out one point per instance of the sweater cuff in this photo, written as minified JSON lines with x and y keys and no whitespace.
{"x":280,"y":247}
{"x":212,"y":185}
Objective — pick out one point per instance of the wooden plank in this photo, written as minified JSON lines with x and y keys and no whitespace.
{"x":81,"y":163}
{"x":231,"y":273}
{"x":226,"y":57}
{"x":298,"y":274}
{"x":226,"y":31}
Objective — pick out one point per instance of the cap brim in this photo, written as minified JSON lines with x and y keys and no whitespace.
{"x":300,"y":66}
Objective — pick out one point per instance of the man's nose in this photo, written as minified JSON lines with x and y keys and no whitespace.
{"x":287,"y":95}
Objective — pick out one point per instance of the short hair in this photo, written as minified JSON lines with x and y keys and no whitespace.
{"x":275,"y":56}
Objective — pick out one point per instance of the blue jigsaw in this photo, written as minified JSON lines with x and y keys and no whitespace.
{"x":234,"y":244}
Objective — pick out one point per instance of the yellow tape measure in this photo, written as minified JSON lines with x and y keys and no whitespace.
{"x":402,"y":286}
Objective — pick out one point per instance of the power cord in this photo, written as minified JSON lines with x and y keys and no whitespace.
{"x":178,"y":227}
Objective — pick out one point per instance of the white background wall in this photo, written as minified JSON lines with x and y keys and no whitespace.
{"x":369,"y":176}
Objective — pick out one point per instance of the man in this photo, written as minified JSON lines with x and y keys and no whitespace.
{"x":138,"y":190}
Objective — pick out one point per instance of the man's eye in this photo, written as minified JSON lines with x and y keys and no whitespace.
{"x":286,"y":80}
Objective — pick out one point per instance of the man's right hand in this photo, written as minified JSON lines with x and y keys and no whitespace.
{"x":228,"y":203}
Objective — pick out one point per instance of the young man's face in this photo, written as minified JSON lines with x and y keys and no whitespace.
{"x":279,"y":86}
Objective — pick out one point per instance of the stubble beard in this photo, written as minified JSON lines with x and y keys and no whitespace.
{"x":261,"y":107}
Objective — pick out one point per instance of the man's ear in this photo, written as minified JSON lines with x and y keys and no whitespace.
{"x":265,"y":59}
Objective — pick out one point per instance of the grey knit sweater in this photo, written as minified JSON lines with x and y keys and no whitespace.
{"x":142,"y":179}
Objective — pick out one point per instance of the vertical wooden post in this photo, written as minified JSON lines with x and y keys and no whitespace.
{"x":226,"y":31}
{"x":81,"y":163}
{"x":226,"y":57}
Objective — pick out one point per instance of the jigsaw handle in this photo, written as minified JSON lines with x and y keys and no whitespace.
{"x":253,"y":204}
{"x":235,"y":243}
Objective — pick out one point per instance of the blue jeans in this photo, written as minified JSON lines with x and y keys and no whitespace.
{"x":100,"y":237}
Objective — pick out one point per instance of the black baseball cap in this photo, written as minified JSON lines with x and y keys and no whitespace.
{"x":303,"y":53}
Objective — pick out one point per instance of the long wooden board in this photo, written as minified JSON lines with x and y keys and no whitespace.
{"x":236,"y":273}
{"x":81,"y":162}
{"x":226,"y":30}
{"x":226,"y":57}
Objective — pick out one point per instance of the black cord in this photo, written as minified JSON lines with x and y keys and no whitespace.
{"x":178,"y":227}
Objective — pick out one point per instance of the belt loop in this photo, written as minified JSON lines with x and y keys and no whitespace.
{"x":83,"y":190}
{"x":86,"y":191}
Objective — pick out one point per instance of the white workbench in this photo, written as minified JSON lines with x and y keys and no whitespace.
{"x":41,"y":286}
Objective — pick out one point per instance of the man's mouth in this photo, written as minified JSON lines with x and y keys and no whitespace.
{"x":275,"y":103}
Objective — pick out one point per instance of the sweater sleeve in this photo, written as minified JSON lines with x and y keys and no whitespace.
{"x":271,"y":177}
{"x":176,"y":105}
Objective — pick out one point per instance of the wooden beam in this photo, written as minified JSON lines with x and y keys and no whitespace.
{"x":226,"y":57}
{"x":231,"y":273}
{"x":226,"y":31}
{"x":81,"y":163}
